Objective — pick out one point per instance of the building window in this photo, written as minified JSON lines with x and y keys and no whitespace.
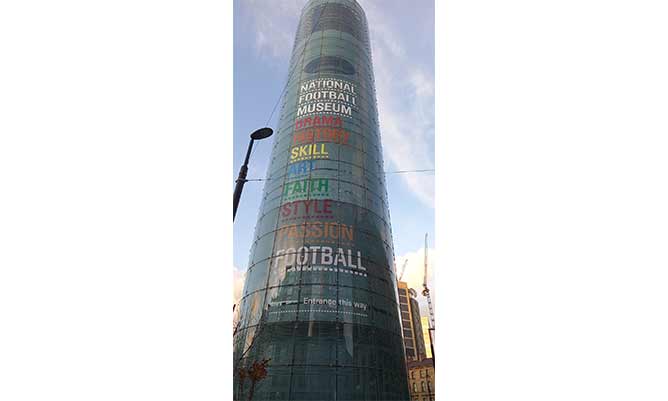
{"x":424,"y":388}
{"x":414,"y":387}
{"x":413,"y":375}
{"x":421,"y":373}
{"x":330,"y":64}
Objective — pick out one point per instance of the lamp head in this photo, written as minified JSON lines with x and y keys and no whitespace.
{"x":262,"y":133}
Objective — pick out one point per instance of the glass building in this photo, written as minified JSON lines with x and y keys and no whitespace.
{"x":320,"y":297}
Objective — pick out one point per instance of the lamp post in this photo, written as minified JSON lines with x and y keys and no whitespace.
{"x":241,"y":180}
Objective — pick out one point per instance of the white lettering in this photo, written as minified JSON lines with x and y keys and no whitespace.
{"x":302,"y":256}
{"x":326,"y":258}
{"x":290,"y":256}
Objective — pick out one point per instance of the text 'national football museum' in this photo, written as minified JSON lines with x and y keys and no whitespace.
{"x":320,"y":296}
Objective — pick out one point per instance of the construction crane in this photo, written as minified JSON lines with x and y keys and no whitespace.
{"x":403,"y":270}
{"x":425,"y":292}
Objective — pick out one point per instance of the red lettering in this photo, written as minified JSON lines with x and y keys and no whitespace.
{"x":308,"y":208}
{"x":321,"y":134}
{"x":319,"y":121}
{"x":327,"y":206}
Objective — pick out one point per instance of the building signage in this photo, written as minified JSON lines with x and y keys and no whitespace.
{"x":318,"y":230}
{"x":326,"y":95}
{"x":321,"y":134}
{"x":307,"y":208}
{"x":301,"y":168}
{"x":318,"y":121}
{"x":309,"y":152}
{"x":308,"y":258}
{"x":301,"y":189}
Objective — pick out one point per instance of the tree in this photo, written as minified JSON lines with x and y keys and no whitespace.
{"x":242,"y":373}
{"x":257,"y":371}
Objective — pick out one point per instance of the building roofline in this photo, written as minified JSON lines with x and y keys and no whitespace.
{"x":419,"y":364}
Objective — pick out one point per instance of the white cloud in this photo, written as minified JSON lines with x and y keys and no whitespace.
{"x":275,"y":24}
{"x":238,"y":278}
{"x":405,"y":105}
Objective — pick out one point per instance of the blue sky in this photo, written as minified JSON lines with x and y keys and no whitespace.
{"x":402,"y":41}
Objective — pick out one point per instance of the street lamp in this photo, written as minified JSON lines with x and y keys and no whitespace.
{"x":255,"y":136}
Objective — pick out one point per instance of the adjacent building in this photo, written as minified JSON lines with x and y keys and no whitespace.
{"x":320,"y":296}
{"x":425,"y":335}
{"x":419,"y":361}
{"x":411,"y":323}
{"x":421,"y":379}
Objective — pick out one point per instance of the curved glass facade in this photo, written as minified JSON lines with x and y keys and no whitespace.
{"x":320,"y":297}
